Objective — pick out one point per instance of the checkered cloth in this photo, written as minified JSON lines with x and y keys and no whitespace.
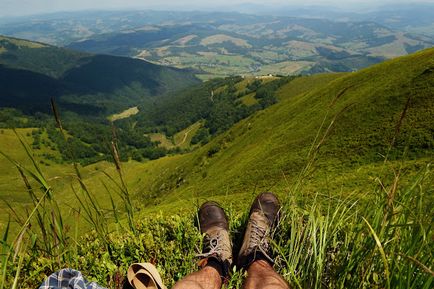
{"x":68,"y":279}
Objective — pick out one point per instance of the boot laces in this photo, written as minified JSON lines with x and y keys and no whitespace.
{"x":259,"y":240}
{"x":214,"y":246}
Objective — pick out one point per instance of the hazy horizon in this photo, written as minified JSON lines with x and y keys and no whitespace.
{"x":11,"y":8}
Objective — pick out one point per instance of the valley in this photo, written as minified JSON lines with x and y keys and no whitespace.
{"x":229,"y":43}
{"x":116,"y":125}
{"x":278,"y":154}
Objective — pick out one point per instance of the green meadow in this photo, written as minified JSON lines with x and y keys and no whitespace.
{"x":350,"y":156}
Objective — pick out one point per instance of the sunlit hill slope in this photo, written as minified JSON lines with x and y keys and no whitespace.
{"x":331,"y":132}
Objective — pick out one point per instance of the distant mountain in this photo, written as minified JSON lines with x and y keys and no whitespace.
{"x":32,"y":73}
{"x":227,"y":43}
{"x":231,"y":43}
{"x":414,"y":17}
{"x":66,"y":27}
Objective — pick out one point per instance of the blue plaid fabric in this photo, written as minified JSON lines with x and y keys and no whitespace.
{"x":68,"y":279}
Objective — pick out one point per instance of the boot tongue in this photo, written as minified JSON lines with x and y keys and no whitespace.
{"x":261,"y":219}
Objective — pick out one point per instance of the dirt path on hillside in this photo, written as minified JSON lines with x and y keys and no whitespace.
{"x":185,"y":137}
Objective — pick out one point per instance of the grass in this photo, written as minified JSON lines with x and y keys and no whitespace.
{"x":349,"y":155}
{"x":265,"y":151}
{"x":219,"y":38}
{"x":164,"y":141}
{"x":125,"y":114}
{"x":220,"y":65}
{"x":60,"y":177}
{"x":9,"y":174}
{"x":249,"y":99}
{"x":183,"y":138}
{"x":324,"y":241}
{"x":286,"y":67}
{"x":22,"y":42}
{"x":395,"y":48}
{"x":184,"y":40}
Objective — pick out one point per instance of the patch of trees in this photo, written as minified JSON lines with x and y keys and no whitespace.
{"x":90,"y":141}
{"x":88,"y":138}
{"x":217,"y":102}
{"x":13,"y":118}
{"x":202,"y":136}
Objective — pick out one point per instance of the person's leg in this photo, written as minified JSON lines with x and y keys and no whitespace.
{"x":217,"y":251}
{"x":261,"y":274}
{"x":207,"y":278}
{"x":255,"y":251}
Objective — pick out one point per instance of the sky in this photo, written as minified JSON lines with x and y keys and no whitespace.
{"x":26,"y":7}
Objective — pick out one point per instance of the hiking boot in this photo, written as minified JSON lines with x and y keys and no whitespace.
{"x":217,"y":244}
{"x":264,"y":214}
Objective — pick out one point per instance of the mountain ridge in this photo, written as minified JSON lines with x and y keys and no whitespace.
{"x":357,"y":42}
{"x":249,"y":45}
{"x":106,"y":82}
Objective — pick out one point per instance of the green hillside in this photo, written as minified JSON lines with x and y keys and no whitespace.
{"x":81,"y":82}
{"x":38,"y":57}
{"x":347,"y":128}
{"x":348,"y":154}
{"x":87,"y":89}
{"x":346,"y":125}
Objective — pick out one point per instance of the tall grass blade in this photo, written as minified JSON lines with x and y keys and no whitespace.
{"x":17,"y":274}
{"x":5,"y":253}
{"x":380,"y":248}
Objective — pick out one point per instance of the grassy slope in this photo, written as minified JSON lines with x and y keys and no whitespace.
{"x":60,"y":176}
{"x":268,"y":150}
{"x":145,"y":179}
{"x":8,"y":174}
{"x":183,"y":138}
{"x":249,"y":99}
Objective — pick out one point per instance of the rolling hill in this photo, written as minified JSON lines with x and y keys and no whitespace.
{"x":33,"y":72}
{"x":88,"y":89}
{"x":245,"y":44}
{"x":416,"y":17}
{"x":347,"y":125}
{"x":228,"y":43}
{"x":349,"y":154}
{"x":92,"y":90}
{"x":339,"y":127}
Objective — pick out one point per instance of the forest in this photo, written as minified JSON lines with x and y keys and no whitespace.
{"x":216,"y":102}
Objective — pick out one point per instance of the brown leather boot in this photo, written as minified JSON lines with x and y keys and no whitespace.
{"x":264,"y":214}
{"x":217,"y":243}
